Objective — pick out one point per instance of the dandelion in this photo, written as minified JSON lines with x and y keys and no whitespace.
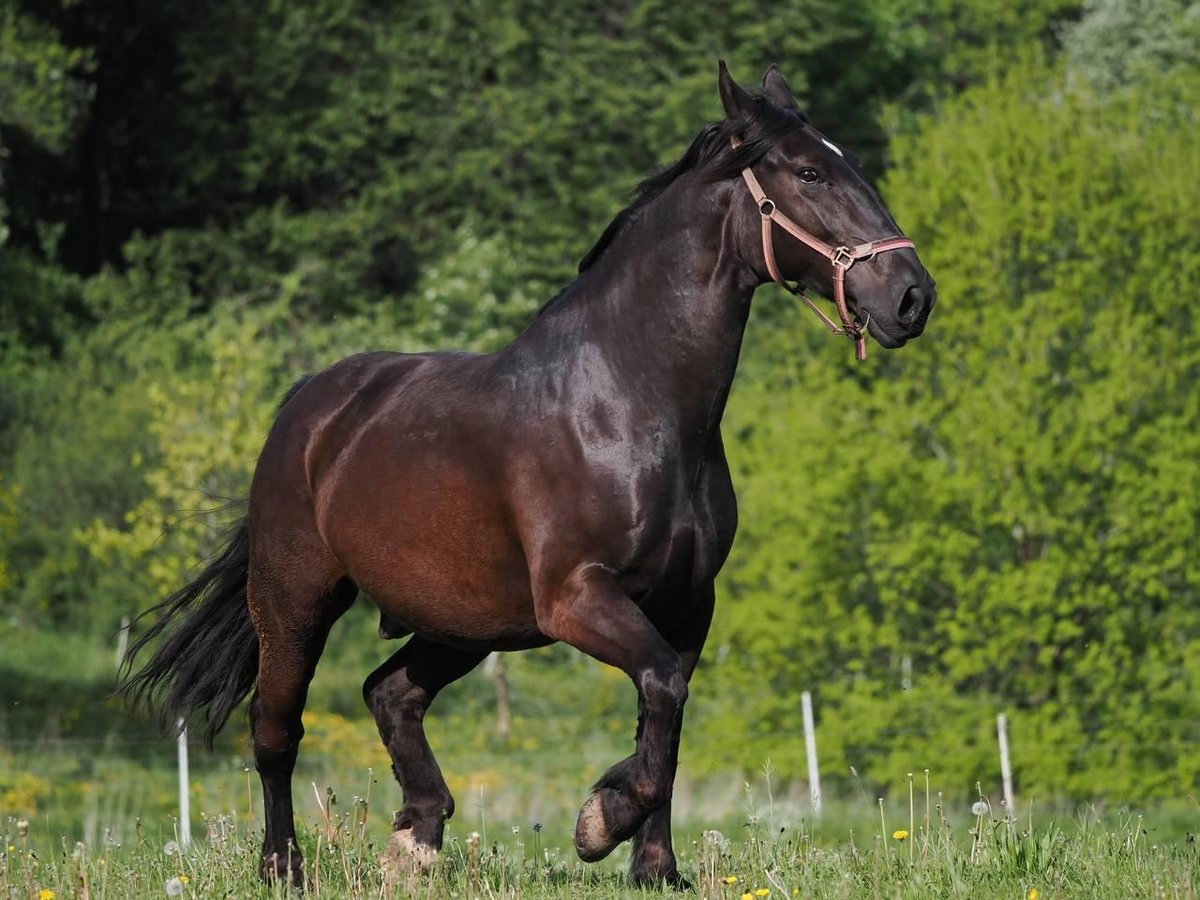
{"x":979,"y":808}
{"x":763,"y":892}
{"x":900,"y":834}
{"x":46,"y":894}
{"x":22,"y":827}
{"x":1033,"y":894}
{"x":747,"y":896}
{"x":170,"y":848}
{"x":473,"y":841}
{"x":174,"y":887}
{"x":715,"y":839}
{"x":184,"y":879}
{"x":731,"y":879}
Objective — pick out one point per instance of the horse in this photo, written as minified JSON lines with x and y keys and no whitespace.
{"x":572,"y":486}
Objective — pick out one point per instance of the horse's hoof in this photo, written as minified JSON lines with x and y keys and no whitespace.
{"x":285,"y":869}
{"x":652,"y":878}
{"x":606,"y":819}
{"x":405,"y":855}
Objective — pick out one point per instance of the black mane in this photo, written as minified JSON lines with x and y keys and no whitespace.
{"x":712,"y":149}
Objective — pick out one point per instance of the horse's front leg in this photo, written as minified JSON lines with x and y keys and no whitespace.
{"x":653,"y":854}
{"x":590,"y":612}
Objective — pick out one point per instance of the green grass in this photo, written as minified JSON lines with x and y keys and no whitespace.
{"x":97,"y":792}
{"x":1098,"y":857}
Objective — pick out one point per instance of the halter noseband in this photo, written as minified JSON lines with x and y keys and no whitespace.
{"x":841,"y":257}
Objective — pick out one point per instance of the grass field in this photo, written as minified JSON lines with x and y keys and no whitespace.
{"x":88,"y":795}
{"x":982,"y":857}
{"x":733,"y":840}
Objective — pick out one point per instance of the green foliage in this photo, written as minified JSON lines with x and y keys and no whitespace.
{"x":40,"y":91}
{"x":1117,"y":41}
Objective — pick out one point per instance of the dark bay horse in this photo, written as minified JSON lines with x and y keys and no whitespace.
{"x":570,"y":487}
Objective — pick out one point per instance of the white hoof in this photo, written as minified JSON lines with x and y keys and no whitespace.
{"x":405,"y":855}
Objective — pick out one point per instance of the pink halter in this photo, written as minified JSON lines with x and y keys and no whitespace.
{"x":841,"y":257}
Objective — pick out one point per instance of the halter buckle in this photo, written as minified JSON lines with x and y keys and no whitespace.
{"x":843,"y":258}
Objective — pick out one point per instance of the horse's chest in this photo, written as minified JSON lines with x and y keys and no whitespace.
{"x":682,"y":553}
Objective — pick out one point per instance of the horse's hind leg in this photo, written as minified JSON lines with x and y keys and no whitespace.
{"x":398,"y":693}
{"x":293,"y":604}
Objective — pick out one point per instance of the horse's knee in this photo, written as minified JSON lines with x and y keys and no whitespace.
{"x":664,"y":689}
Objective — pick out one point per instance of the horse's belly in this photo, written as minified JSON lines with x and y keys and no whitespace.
{"x":433,"y":551}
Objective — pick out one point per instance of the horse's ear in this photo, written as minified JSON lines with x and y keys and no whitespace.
{"x":777,"y":90}
{"x":737,"y":101}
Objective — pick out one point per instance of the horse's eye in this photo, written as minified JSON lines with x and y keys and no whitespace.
{"x":809,"y":176}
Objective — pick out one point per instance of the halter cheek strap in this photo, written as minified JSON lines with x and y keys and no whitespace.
{"x":841,"y":258}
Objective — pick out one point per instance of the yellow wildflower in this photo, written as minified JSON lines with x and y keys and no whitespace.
{"x":763,"y":892}
{"x":12,"y":848}
{"x":900,"y":835}
{"x":184,"y":879}
{"x":1033,"y":894}
{"x":46,"y":894}
{"x":747,"y":896}
{"x":731,"y":879}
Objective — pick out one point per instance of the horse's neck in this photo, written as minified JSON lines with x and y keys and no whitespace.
{"x":663,"y":310}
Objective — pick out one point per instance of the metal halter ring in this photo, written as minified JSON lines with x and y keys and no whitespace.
{"x":842,"y":258}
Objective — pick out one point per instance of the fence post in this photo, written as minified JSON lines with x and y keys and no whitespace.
{"x":185,"y":804}
{"x":810,"y":746}
{"x":1005,"y":765}
{"x":122,"y":640}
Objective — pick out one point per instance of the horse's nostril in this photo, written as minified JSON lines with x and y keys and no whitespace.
{"x":912,"y":305}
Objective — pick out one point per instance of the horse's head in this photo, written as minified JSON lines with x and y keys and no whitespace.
{"x":818,"y":221}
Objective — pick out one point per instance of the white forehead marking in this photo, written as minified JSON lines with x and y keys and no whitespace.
{"x":834,"y":147}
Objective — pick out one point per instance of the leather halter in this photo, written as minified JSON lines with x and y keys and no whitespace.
{"x":841,"y":257}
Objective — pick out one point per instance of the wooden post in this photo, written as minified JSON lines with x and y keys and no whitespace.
{"x":1005,"y":765}
{"x":185,"y":804}
{"x":494,"y":669}
{"x":810,"y":746}
{"x":122,"y":640}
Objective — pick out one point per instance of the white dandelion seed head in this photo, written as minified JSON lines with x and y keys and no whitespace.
{"x":980,"y":807}
{"x":715,"y":839}
{"x":170,"y":848}
{"x":174,"y":888}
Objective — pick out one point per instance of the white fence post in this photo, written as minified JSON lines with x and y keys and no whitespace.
{"x":1005,"y":765}
{"x":810,"y":745}
{"x":185,"y":805}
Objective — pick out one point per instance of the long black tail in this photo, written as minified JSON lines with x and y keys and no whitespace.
{"x":209,"y":659}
